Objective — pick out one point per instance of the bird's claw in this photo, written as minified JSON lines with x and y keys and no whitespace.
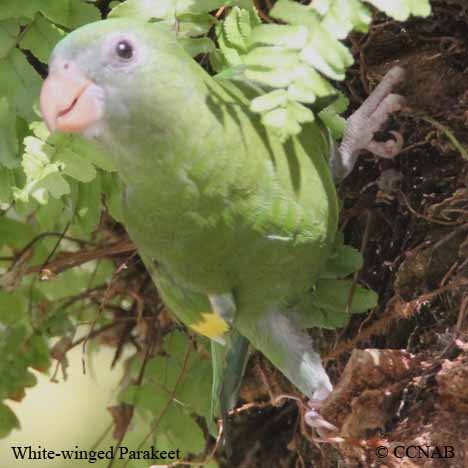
{"x":387,"y":149}
{"x":314,"y":419}
{"x":368,"y":120}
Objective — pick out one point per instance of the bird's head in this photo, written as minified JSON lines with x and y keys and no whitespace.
{"x":106,"y":70}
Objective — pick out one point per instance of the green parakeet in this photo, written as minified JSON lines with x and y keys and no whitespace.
{"x":234,"y":225}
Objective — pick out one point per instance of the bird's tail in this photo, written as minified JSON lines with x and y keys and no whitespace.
{"x":229,"y":363}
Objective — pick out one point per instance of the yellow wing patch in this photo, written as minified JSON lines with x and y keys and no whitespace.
{"x":211,"y":325}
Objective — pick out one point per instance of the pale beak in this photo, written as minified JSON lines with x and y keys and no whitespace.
{"x":69,"y":101}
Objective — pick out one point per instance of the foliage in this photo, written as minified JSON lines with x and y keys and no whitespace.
{"x":56,"y":190}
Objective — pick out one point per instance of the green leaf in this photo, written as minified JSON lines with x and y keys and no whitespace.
{"x":176,"y":345}
{"x":344,"y":261}
{"x":327,"y":306}
{"x":75,"y":150}
{"x":41,"y":37}
{"x":55,"y":184}
{"x":14,"y":233}
{"x":194,"y":47}
{"x":193,"y":25}
{"x":69,"y":13}
{"x":300,"y":113}
{"x":8,"y":138}
{"x":291,"y":37}
{"x":229,"y":55}
{"x":322,"y":6}
{"x":420,"y":7}
{"x":269,"y":101}
{"x":302,"y":92}
{"x":402,"y":9}
{"x":331,"y":118}
{"x":327,"y":55}
{"x":42,"y":175}
{"x":277,"y":78}
{"x":164,"y":372}
{"x":86,"y":150}
{"x":8,"y":420}
{"x":145,"y":397}
{"x":52,"y":216}
{"x":7,"y":181}
{"x":276,"y":118}
{"x":182,"y":430}
{"x":48,"y":159}
{"x":75,"y":165}
{"x":111,"y":186}
{"x":196,"y":388}
{"x":88,"y":209}
{"x":247,"y":19}
{"x":92,"y":152}
{"x":20,"y":83}
{"x":201,"y":6}
{"x":281,"y":119}
{"x":13,"y":308}
{"x":9,"y":30}
{"x":36,"y":352}
{"x":295,"y":13}
{"x":272,"y":57}
{"x":20,"y":349}
{"x":333,"y":295}
{"x":346,"y":15}
{"x":144,"y":9}
{"x":235,"y":36}
{"x":18,"y":9}
{"x":307,"y":76}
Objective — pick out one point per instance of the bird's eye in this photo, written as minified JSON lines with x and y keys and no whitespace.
{"x":124,"y":50}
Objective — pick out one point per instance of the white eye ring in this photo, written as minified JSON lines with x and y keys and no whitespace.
{"x":122,"y":50}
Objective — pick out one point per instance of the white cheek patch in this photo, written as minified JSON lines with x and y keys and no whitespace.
{"x":97,"y":94}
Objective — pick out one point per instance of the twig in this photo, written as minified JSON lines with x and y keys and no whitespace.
{"x":95,"y":333}
{"x":84,"y":256}
{"x":419,"y":215}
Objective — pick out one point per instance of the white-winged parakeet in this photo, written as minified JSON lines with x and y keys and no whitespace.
{"x":235,"y":225}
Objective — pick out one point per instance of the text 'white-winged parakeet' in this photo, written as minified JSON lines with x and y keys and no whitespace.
{"x":234,"y":224}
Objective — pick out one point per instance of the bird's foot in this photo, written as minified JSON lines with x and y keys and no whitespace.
{"x":326,"y":430}
{"x":368,"y":120}
{"x":372,"y":114}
